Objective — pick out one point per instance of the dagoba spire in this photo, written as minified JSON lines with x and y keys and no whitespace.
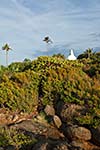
{"x":71,"y":56}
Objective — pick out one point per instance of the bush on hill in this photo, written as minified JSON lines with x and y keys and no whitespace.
{"x":48,"y":80}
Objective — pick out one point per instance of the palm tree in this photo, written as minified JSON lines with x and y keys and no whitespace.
{"x":88,"y":52}
{"x":6,"y":48}
{"x":48,"y":41}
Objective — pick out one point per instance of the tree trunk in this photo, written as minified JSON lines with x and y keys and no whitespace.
{"x":6,"y":58}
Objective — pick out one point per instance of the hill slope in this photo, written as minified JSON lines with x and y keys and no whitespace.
{"x":72,"y":88}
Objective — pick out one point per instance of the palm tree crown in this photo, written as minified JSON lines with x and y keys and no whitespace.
{"x":47,"y":40}
{"x":6,"y":48}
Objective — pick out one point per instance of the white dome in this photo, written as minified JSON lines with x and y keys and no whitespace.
{"x":72,"y":56}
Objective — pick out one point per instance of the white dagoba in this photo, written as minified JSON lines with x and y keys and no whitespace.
{"x":71,"y":56}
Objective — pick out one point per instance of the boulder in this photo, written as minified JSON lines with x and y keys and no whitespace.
{"x":40,"y":129}
{"x":49,"y":110}
{"x":74,"y":132}
{"x":61,"y":146}
{"x":10,"y":147}
{"x":41,"y":146}
{"x":96,"y":135}
{"x":48,"y":144}
{"x":83,"y":145}
{"x":69,"y":111}
{"x":1,"y":148}
{"x":57,"y":121}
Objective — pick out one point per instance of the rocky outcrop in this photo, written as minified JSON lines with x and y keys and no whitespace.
{"x":39,"y":128}
{"x":8,"y":117}
{"x":58,"y":133}
{"x":69,"y":111}
{"x":75,"y":132}
{"x":96,"y":135}
{"x":51,"y":145}
{"x":83,"y":145}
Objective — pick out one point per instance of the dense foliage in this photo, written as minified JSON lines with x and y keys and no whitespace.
{"x":16,"y":139}
{"x":48,"y":80}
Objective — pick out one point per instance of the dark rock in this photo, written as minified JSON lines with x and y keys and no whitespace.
{"x":54,"y":133}
{"x":1,"y":148}
{"x":96,"y":135}
{"x":11,"y":147}
{"x":69,"y":111}
{"x":75,"y":132}
{"x":38,"y":128}
{"x":83,"y":145}
{"x":41,"y":146}
{"x":61,"y":146}
{"x":51,"y":145}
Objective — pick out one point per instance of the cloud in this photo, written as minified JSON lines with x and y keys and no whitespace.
{"x":25,"y":23}
{"x":95,"y":35}
{"x":96,"y":49}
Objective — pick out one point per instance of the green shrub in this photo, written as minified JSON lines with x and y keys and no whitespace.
{"x":48,"y":80}
{"x":16,"y":138}
{"x":20,"y":91}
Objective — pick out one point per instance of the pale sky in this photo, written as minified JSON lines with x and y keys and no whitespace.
{"x":69,"y":23}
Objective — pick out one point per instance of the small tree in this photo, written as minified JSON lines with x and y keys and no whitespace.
{"x":88,"y":52}
{"x":59,"y":55}
{"x":6,"y":48}
{"x":48,"y":41}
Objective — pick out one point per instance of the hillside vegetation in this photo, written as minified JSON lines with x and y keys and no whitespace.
{"x":48,"y":80}
{"x":53,"y":80}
